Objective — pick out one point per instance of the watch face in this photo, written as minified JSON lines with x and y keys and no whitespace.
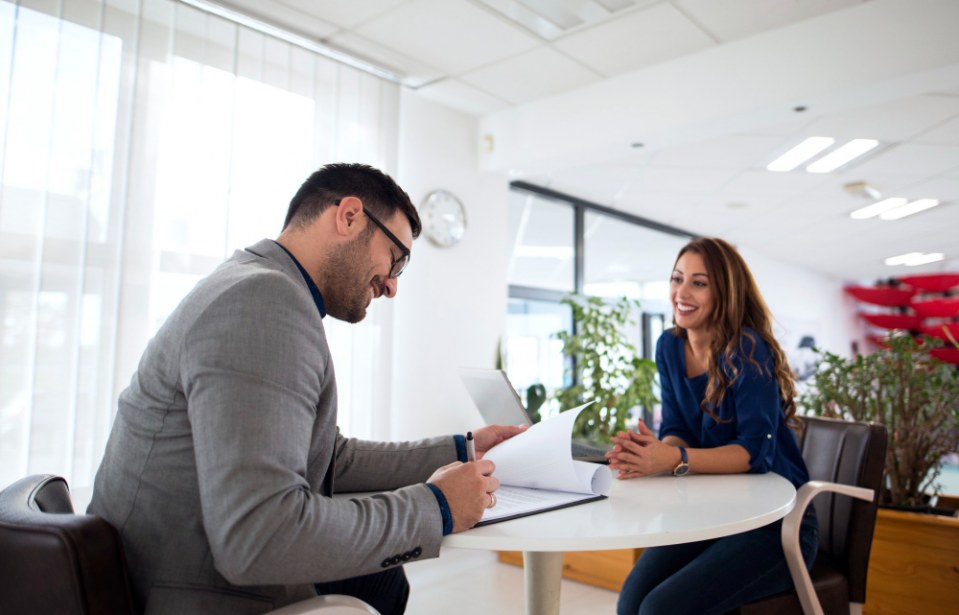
{"x":444,"y":218}
{"x":681,"y":470}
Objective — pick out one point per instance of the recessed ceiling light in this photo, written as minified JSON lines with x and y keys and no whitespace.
{"x":908,"y":209}
{"x":839,"y":157}
{"x":800,"y":154}
{"x":878,"y":208}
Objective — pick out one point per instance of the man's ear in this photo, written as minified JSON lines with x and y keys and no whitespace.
{"x":348,"y":215}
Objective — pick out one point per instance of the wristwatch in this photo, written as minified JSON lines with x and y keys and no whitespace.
{"x":683,"y":468}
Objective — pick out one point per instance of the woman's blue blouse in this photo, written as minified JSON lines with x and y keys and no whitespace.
{"x":750,"y":414}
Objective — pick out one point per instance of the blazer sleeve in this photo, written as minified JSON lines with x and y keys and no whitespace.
{"x":250,"y":374}
{"x":364,"y":465}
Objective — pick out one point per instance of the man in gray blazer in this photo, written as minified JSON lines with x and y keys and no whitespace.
{"x":225,"y":453}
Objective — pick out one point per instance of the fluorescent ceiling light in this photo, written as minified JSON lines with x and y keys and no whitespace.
{"x":932,"y":257}
{"x":878,"y":208}
{"x":800,"y":154}
{"x":839,"y":157}
{"x":908,"y":209}
{"x":902,"y":259}
{"x":913,"y":259}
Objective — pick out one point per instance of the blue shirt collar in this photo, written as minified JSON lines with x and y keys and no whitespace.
{"x":317,"y":297}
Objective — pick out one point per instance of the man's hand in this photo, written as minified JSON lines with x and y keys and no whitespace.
{"x":487,"y":437}
{"x":467,"y":488}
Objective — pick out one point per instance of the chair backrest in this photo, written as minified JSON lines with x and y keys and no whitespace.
{"x":53,"y":561}
{"x":850,"y":453}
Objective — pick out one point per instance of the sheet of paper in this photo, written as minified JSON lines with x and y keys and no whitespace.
{"x":540,"y":458}
{"x":514,"y":502}
{"x":537,"y":471}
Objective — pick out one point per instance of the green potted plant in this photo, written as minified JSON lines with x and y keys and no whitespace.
{"x":916,"y":541}
{"x":606,"y":366}
{"x":904,"y":388}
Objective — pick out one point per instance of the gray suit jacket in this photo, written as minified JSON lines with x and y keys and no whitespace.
{"x":225,"y":450}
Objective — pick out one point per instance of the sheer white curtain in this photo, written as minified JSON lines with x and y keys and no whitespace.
{"x":141,"y":142}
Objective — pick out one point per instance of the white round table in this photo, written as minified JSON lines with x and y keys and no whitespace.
{"x":642,"y":512}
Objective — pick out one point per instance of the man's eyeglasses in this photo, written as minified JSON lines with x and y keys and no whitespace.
{"x":398,"y":264}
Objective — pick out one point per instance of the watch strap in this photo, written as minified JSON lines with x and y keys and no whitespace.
{"x":683,"y":467}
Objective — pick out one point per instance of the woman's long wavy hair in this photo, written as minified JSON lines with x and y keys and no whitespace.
{"x":737,"y":304}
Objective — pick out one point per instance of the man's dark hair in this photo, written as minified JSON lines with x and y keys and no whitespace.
{"x":379,"y":193}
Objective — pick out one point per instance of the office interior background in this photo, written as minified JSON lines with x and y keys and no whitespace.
{"x":143,"y":141}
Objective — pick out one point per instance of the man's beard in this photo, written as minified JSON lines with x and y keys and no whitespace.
{"x":348,"y":284}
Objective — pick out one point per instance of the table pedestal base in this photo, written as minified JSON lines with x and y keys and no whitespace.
{"x":543,"y":571}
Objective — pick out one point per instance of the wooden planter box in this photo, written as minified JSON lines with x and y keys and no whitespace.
{"x":914,"y":564}
{"x":606,"y":569}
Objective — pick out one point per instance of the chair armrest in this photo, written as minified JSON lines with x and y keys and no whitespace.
{"x":790,"y":537}
{"x":331,"y":604}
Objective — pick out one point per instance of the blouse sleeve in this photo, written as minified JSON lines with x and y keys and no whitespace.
{"x":758,"y":407}
{"x":673,"y":424}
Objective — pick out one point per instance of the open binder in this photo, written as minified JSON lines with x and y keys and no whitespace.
{"x":537,"y":472}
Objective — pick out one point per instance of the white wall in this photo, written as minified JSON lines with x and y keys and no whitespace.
{"x":804,"y":302}
{"x":451,"y":306}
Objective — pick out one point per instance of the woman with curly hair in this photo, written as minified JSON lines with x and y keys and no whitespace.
{"x":727,"y":407}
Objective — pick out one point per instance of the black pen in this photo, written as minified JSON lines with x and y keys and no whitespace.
{"x":470,"y":447}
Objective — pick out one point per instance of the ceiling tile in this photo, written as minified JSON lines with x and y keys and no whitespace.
{"x":946,"y":133}
{"x":413,"y":72}
{"x":303,"y":22}
{"x":734,"y":19}
{"x":765,"y":184}
{"x":600,"y":184}
{"x":344,"y":13}
{"x":531,"y":75}
{"x":894,"y":121}
{"x":458,"y":95}
{"x":454,"y":35}
{"x":665,"y":180}
{"x":909,"y":159}
{"x":636,"y":40}
{"x":731,"y":152}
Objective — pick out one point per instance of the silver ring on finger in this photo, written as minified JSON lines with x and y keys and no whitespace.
{"x":492,"y":500}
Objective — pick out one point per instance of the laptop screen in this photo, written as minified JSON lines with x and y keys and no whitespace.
{"x":494,"y":396}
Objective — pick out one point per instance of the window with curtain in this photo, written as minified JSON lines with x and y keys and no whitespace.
{"x":141,"y":143}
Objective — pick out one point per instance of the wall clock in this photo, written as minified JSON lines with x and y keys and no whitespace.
{"x":444,"y":218}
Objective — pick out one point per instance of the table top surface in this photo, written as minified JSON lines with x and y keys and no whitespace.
{"x":644,"y":512}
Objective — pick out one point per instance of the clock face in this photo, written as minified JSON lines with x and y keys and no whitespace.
{"x":444,"y":218}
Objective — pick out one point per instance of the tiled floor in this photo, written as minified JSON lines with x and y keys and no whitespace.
{"x":467,"y":582}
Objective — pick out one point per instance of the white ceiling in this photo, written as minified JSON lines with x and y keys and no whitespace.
{"x":709,"y":88}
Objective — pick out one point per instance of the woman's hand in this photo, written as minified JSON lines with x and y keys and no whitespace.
{"x":640,"y":453}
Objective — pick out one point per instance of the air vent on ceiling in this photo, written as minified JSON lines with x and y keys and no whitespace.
{"x":552,"y":18}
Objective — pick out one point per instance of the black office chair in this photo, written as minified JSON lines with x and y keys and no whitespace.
{"x":844,"y":458}
{"x":55,"y":562}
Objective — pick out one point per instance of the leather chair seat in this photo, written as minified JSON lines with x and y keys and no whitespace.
{"x":830,"y":584}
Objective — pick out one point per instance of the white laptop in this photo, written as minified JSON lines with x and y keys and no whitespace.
{"x":498,"y":403}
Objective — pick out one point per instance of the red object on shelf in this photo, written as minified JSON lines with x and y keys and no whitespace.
{"x":888,"y":296}
{"x":940,"y":330}
{"x":949,"y":354}
{"x":937,"y":308}
{"x":892,"y":321}
{"x":932,"y":282}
